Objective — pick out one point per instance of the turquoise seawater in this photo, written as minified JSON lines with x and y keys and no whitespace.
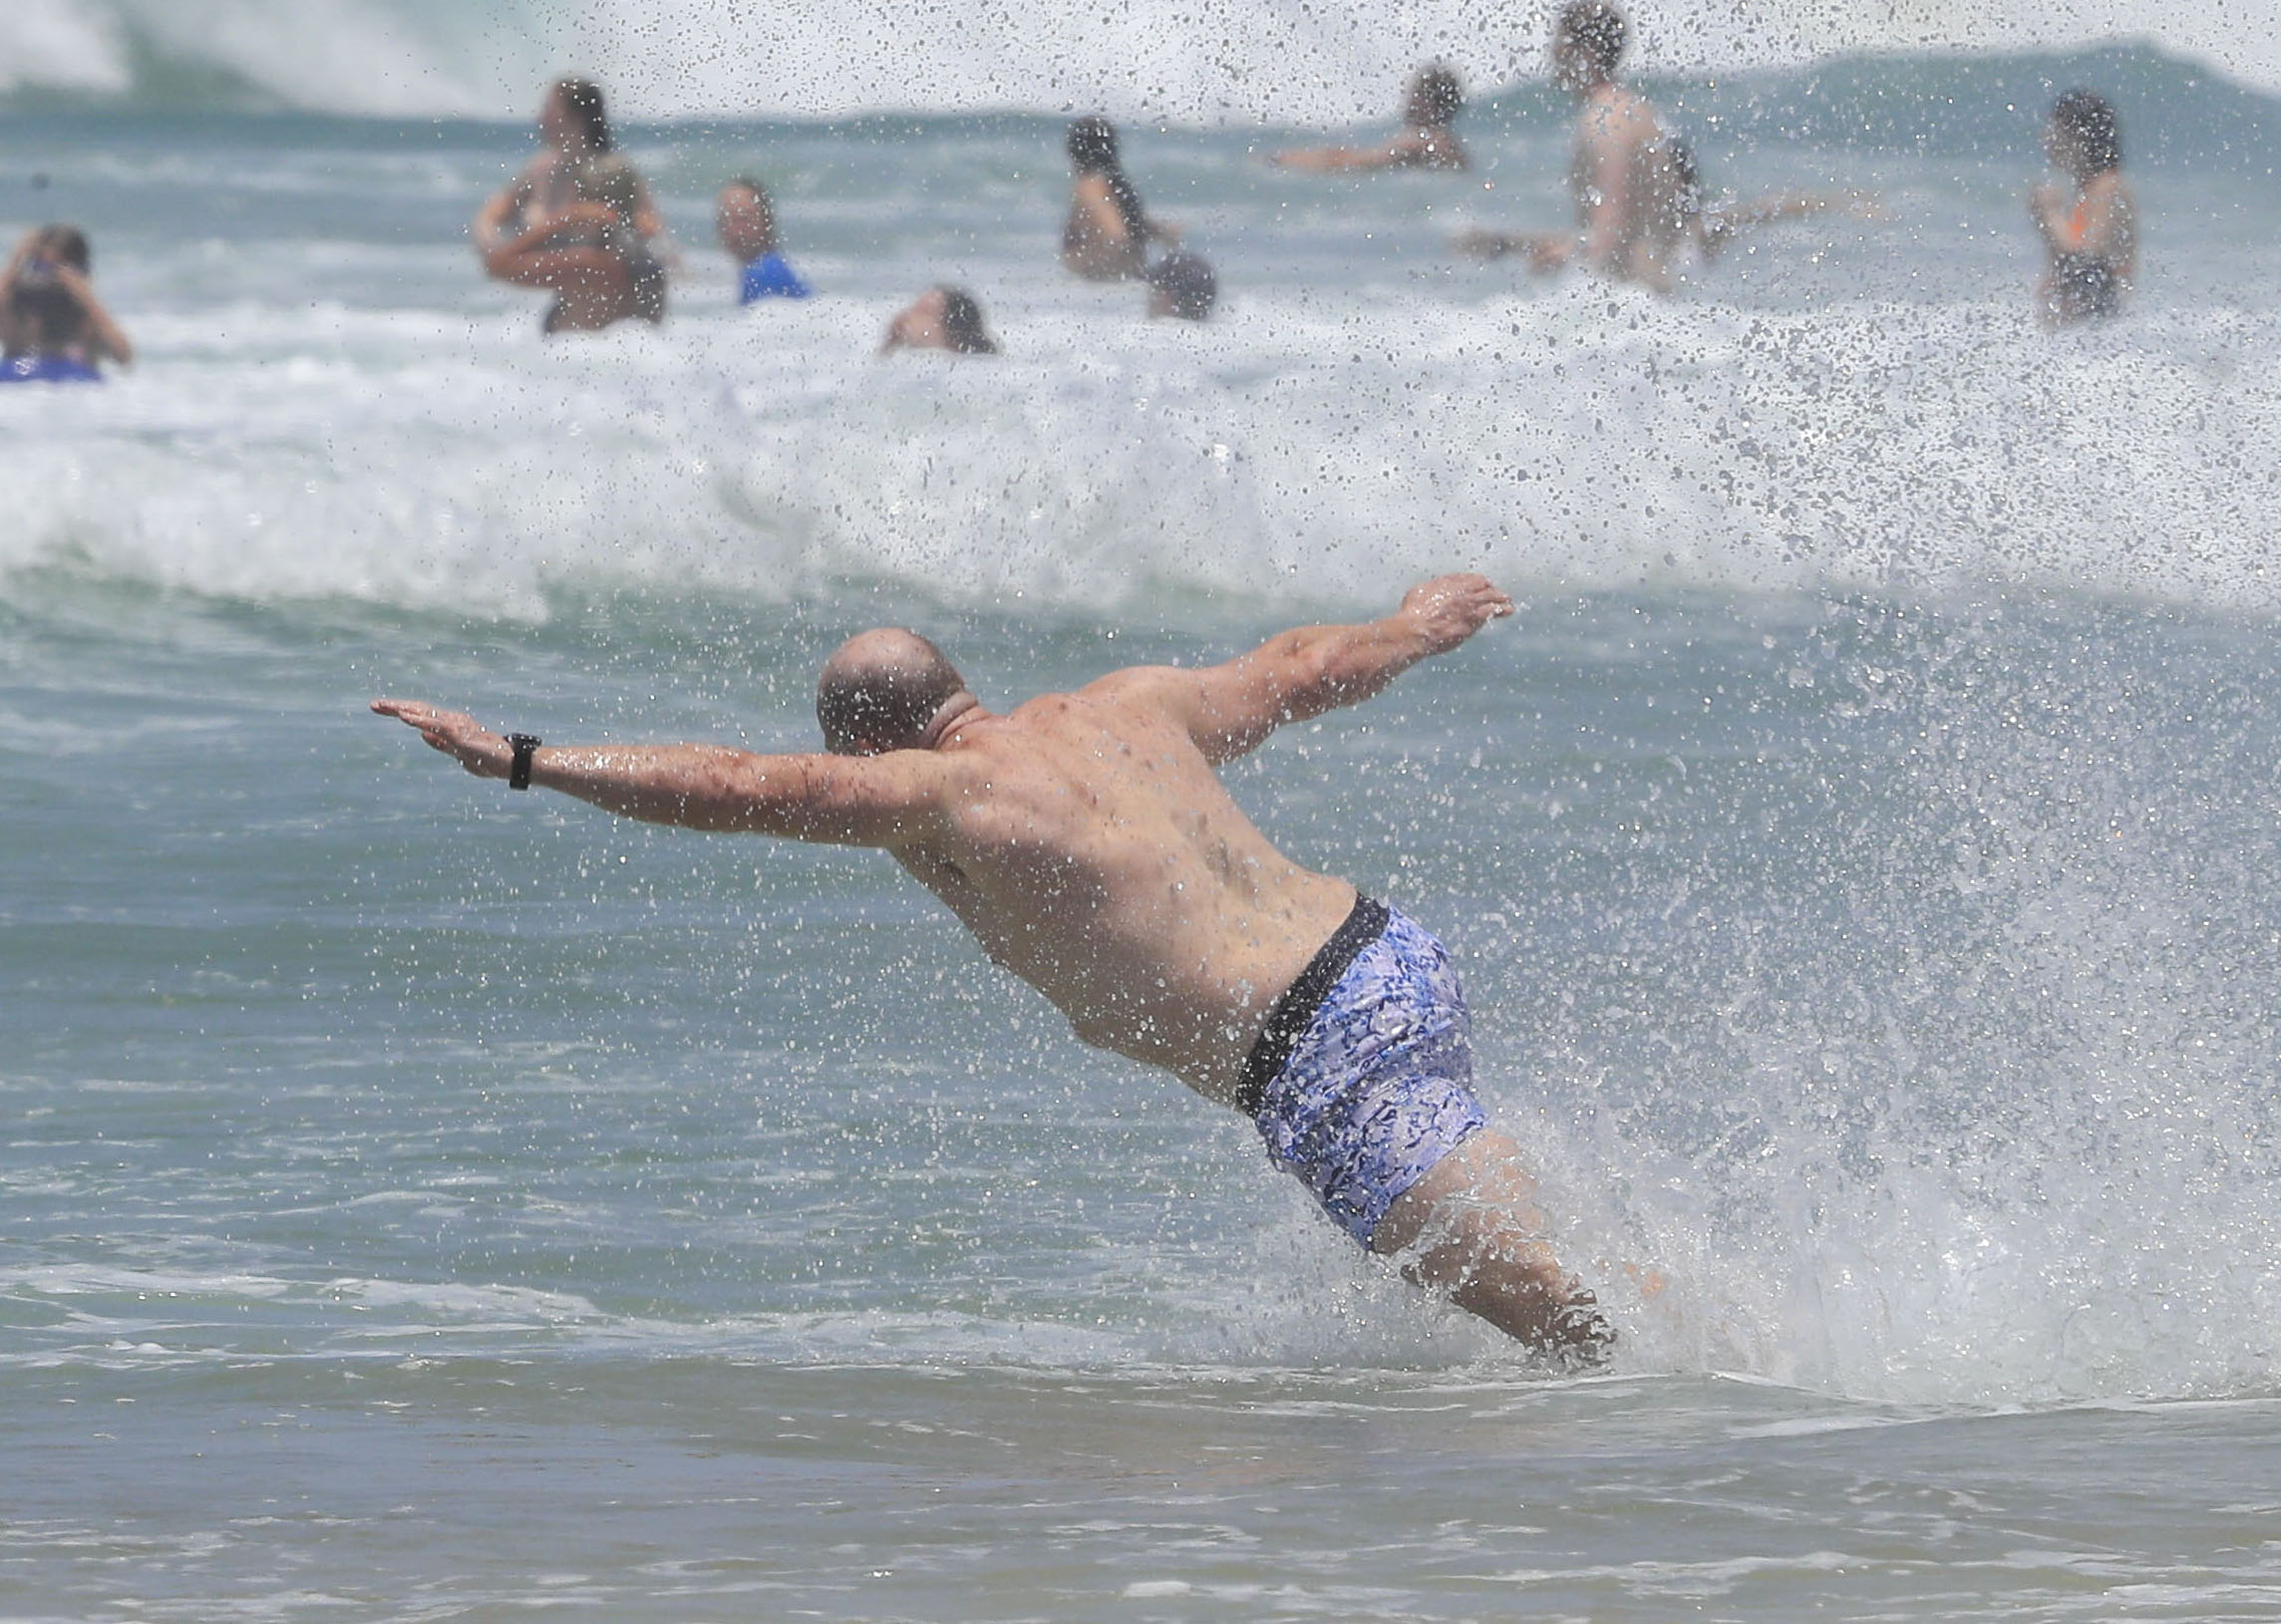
{"x":423,"y":1201}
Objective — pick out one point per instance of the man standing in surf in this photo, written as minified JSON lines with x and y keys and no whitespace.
{"x":1624,"y":170}
{"x":1087,"y":843}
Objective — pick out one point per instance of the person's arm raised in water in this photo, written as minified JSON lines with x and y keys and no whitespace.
{"x":878,"y":801}
{"x":105,"y":338}
{"x":1230,"y":709}
{"x":1396,"y":154}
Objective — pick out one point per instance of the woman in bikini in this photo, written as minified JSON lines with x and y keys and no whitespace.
{"x":2090,"y":230}
{"x":590,"y":254}
{"x":1107,"y":235}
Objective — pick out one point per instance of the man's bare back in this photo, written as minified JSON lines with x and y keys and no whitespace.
{"x":1621,"y":176}
{"x":1085,"y":841}
{"x":1091,"y":851}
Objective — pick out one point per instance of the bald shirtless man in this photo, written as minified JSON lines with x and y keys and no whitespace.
{"x":1085,"y":841}
{"x":1624,"y":171}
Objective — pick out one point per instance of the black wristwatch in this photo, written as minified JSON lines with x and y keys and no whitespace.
{"x":519,"y":770}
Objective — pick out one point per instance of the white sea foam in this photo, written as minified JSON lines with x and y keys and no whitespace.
{"x":1576,"y":441}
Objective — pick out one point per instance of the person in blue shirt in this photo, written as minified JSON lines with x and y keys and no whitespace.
{"x":748,"y":224}
{"x":53,"y":329}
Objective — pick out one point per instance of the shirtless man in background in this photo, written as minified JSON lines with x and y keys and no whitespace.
{"x":1085,"y":841}
{"x":1621,"y":172}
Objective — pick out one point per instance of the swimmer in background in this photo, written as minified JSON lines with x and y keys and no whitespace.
{"x":53,"y":329}
{"x":576,"y":128}
{"x":590,"y":254}
{"x":1426,"y":141}
{"x":2091,"y":233}
{"x":747,"y":220}
{"x":1707,"y":229}
{"x":1107,"y":235}
{"x":1621,"y":170}
{"x":1181,"y":286}
{"x":942,"y":318}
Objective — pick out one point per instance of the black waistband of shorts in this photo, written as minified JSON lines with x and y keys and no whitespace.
{"x":1295,"y":1010}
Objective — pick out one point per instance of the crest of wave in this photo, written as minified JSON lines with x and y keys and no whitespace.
{"x":1875,"y":448}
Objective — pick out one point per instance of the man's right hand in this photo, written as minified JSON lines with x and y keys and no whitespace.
{"x":1451,"y":608}
{"x":458,"y":734}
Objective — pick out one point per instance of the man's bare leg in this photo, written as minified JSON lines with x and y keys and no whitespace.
{"x":1472,"y":1229}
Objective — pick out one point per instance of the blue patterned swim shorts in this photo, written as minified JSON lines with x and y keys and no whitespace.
{"x":1361,"y":1081}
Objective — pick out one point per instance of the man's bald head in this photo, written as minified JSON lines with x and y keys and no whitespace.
{"x":884,"y":689}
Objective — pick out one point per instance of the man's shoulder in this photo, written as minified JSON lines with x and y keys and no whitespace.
{"x":1617,"y":112}
{"x":1131,"y":700}
{"x":1153,"y":687}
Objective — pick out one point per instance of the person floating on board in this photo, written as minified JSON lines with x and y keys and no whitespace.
{"x":53,"y":329}
{"x":1087,"y":843}
{"x":1424,"y":141}
{"x":1622,"y":171}
{"x":746,"y":221}
{"x":2091,"y":235}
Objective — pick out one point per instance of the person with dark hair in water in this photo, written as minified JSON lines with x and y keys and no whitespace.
{"x":942,"y":318}
{"x":747,"y":220}
{"x":53,"y":329}
{"x":1182,"y":285}
{"x":1107,"y":235}
{"x":2089,"y":234}
{"x":576,"y":128}
{"x":1424,"y":141}
{"x":1621,"y":170}
{"x":1700,"y":228}
{"x":1087,"y":843}
{"x":589,"y":254}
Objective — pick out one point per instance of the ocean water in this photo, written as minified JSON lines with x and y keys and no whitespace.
{"x":1863,"y":853}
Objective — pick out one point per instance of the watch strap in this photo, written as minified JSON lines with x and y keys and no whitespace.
{"x":519,"y":770}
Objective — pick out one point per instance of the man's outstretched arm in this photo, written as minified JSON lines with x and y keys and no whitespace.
{"x":851,"y":801}
{"x":1230,"y":709}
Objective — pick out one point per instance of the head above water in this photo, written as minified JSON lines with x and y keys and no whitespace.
{"x":1588,"y":41}
{"x":48,"y":312}
{"x":1436,"y":97}
{"x":1093,"y":147}
{"x":962,"y":328}
{"x":574,"y":118}
{"x":887,"y":688}
{"x":746,"y":219}
{"x":1182,"y":284}
{"x":2085,"y":137}
{"x":66,"y":245}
